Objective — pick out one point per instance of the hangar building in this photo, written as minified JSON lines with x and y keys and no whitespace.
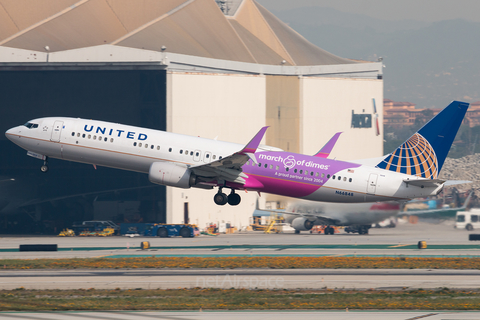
{"x":216,"y":69}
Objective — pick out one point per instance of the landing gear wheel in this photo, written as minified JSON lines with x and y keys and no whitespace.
{"x":185,"y":232}
{"x":220,"y":198}
{"x":297,"y":231}
{"x":44,"y":168}
{"x":234,"y":199}
{"x":162,"y":233}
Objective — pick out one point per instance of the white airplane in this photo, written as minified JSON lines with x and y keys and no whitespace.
{"x":356,"y":217}
{"x":185,"y":161}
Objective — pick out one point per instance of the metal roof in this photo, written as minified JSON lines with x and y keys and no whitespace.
{"x":248,"y":33}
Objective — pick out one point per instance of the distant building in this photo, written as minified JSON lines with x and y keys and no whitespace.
{"x":401,"y":114}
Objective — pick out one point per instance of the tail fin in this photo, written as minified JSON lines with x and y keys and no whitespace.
{"x":424,"y":153}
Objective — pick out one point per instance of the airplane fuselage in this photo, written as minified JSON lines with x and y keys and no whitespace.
{"x":277,"y":172}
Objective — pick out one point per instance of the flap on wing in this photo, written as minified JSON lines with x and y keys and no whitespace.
{"x":422,"y":183}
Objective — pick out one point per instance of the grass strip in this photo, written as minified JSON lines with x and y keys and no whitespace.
{"x":237,"y":299}
{"x":246,"y":262}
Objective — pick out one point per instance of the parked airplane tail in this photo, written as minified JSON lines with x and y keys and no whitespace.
{"x":424,"y":153}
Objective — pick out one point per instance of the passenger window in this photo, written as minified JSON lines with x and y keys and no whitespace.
{"x":151,"y":147}
{"x":344,"y":178}
{"x":94,"y":137}
{"x":134,"y":144}
{"x":105,"y":139}
{"x":220,"y":157}
{"x":111,"y":139}
{"x":301,"y":171}
{"x":328,"y":176}
{"x":78,"y":134}
{"x":323,"y":175}
{"x":191,"y":153}
{"x":276,"y":168}
{"x":139,"y":144}
{"x":214,"y":157}
{"x":287,"y":168}
{"x":311,"y":173}
{"x":89,"y":136}
{"x":333,"y":177}
{"x":99,"y":138}
{"x":339,"y":178}
{"x":266,"y":166}
{"x":181,"y":151}
{"x":208,"y":156}
{"x":350,"y":180}
{"x":158,"y":147}
{"x":260,"y":165}
{"x":186,"y":152}
{"x":83,"y":135}
{"x":197,"y":154}
{"x":146,"y":145}
{"x":306,"y":172}
{"x":169,"y":149}
{"x":316,"y":174}
{"x":295,"y":170}
{"x":271,"y":166}
{"x":73,"y":134}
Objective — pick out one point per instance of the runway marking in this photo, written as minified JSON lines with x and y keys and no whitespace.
{"x":402,"y":245}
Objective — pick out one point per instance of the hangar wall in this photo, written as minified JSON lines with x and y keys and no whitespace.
{"x":328,"y":105}
{"x":230,"y":107}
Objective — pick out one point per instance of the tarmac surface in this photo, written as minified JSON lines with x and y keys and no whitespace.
{"x":441,"y":238}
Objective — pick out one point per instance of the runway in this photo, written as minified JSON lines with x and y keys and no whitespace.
{"x":241,"y":278}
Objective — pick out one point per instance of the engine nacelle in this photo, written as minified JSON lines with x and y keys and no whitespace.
{"x":171,"y":174}
{"x":302,"y":224}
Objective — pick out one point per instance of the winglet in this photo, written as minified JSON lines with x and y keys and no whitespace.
{"x":326,"y":149}
{"x":252,"y":146}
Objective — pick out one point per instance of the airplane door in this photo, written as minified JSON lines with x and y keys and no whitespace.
{"x":57,"y":131}
{"x":197,"y":154}
{"x":372,"y":183}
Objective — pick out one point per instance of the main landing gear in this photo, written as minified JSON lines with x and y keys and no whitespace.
{"x":44,"y":168}
{"x":222,"y":199}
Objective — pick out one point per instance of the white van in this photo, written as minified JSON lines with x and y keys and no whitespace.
{"x":468,"y":219}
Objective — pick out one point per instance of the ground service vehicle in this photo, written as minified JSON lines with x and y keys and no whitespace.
{"x":468,"y":219}
{"x":172,"y":230}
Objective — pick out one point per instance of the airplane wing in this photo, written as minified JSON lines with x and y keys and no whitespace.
{"x":440,"y":213}
{"x":316,"y":217}
{"x":230,"y":168}
{"x":327,"y":148}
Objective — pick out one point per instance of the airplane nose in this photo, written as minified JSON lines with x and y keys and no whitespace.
{"x":9,"y":133}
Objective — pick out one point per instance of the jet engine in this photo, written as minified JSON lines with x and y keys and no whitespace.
{"x":171,"y":174}
{"x":302,"y":224}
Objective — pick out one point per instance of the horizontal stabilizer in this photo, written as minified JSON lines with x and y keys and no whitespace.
{"x":425,"y":183}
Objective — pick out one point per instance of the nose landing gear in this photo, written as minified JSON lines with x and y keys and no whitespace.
{"x":44,"y":168}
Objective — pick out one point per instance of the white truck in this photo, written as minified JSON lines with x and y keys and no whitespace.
{"x":468,"y":219}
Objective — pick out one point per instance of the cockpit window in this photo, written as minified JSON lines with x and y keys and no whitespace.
{"x":30,"y":125}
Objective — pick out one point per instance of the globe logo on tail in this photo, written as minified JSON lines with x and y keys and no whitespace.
{"x":415,"y":157}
